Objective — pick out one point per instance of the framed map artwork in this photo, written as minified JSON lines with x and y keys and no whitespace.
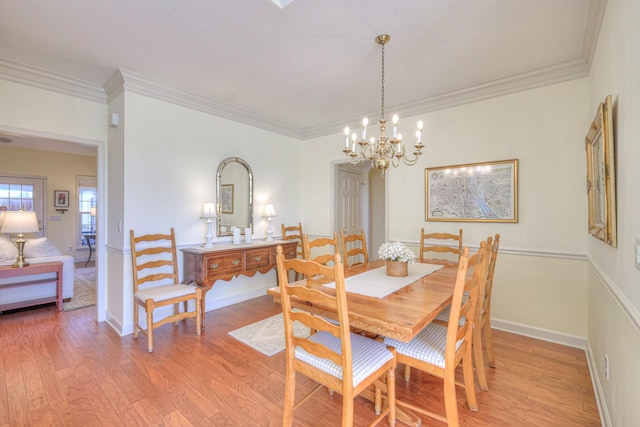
{"x":226,"y":198}
{"x":483,"y":192}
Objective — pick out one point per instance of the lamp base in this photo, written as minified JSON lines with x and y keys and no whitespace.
{"x":20,"y":262}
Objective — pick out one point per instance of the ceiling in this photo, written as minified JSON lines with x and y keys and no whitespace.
{"x":313,"y":67}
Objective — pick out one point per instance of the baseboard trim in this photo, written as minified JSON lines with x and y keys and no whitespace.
{"x":234,"y":299}
{"x":539,"y":333}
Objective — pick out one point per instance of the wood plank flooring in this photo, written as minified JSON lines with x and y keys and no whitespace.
{"x":65,"y":369}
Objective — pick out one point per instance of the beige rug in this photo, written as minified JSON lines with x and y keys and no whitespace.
{"x":267,"y":335}
{"x":84,"y":289}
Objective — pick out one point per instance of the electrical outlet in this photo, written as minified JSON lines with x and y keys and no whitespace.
{"x":606,"y":366}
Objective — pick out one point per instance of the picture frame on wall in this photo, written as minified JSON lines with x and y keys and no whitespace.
{"x":473,"y":192}
{"x":226,"y":198}
{"x":61,"y":199}
{"x":601,"y":187}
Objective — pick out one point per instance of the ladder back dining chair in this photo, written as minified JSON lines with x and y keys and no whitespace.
{"x":354,"y":246}
{"x":156,"y":283}
{"x":438,"y":350}
{"x":326,"y":246}
{"x":332,"y":356}
{"x":294,"y":232}
{"x":433,"y":245}
{"x":482,"y":324}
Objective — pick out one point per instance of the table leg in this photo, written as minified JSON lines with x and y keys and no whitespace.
{"x":90,"y":251}
{"x":59,"y":288}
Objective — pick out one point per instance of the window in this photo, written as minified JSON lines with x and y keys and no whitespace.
{"x":86,"y":208}
{"x":24,"y":193}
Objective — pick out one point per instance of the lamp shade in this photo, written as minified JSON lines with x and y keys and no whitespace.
{"x":209,"y":210}
{"x":92,"y":211}
{"x":20,"y":222}
{"x":269,"y":211}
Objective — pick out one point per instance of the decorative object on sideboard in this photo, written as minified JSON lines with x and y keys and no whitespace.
{"x":382,"y":151}
{"x":269,"y":213}
{"x":20,"y":222}
{"x":61,"y":200}
{"x":209,"y":213}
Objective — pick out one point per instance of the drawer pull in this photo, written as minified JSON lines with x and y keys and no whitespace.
{"x":235,"y":262}
{"x":257,"y":258}
{"x":213,"y":266}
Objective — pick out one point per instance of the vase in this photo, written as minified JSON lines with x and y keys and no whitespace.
{"x":397,"y":268}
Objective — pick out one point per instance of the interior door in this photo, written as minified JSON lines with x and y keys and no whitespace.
{"x":349,"y":201}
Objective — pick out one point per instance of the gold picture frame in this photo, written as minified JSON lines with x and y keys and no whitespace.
{"x":226,"y":198}
{"x":473,"y":192}
{"x":601,"y":181}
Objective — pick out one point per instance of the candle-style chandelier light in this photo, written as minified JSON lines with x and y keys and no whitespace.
{"x":382,"y":151}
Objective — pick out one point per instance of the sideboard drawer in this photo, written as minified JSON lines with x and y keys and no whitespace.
{"x":224,"y":264}
{"x":256,"y":258}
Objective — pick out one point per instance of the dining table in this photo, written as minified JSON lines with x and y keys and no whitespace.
{"x":399,"y":312}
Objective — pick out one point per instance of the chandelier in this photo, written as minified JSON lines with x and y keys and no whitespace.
{"x":382,"y":151}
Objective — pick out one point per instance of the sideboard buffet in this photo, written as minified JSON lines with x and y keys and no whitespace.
{"x":205,"y":266}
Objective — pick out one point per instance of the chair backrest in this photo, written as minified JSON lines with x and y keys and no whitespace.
{"x":323,"y":243}
{"x":154,"y":259}
{"x":317,"y":297}
{"x":465,"y":309}
{"x":354,"y":245}
{"x":437,"y":242}
{"x":294,"y":232}
{"x":493,"y":256}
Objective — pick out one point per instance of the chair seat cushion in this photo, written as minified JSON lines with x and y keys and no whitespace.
{"x":428,"y":346}
{"x":165,"y":292}
{"x":368,"y":355}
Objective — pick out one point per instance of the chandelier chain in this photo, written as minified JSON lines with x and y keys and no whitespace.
{"x":382,"y":112}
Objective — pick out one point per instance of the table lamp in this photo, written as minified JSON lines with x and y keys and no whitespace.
{"x":208,"y":213}
{"x":269,"y":213}
{"x":20,"y":222}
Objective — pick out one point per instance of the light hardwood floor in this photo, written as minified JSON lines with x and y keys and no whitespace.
{"x":65,"y":369}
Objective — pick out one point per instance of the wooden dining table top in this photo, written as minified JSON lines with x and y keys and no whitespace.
{"x":399,"y":315}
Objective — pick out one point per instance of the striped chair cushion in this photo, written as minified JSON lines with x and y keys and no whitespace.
{"x":367,"y":354}
{"x":443,"y":316}
{"x":429,"y":345}
{"x":165,"y":292}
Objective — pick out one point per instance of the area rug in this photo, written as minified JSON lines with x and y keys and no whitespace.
{"x":267,"y":335}
{"x":84,"y":289}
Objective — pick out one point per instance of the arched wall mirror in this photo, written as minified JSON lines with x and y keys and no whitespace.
{"x":234,"y":193}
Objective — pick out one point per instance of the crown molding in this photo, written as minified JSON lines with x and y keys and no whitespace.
{"x":533,"y":79}
{"x":142,"y":85}
{"x":48,"y":80}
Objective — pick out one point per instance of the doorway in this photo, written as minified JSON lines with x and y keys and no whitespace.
{"x":360,"y":202}
{"x":36,"y":140}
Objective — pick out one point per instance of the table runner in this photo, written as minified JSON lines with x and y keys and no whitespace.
{"x":376,"y":283}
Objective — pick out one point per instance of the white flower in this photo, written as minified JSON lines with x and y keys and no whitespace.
{"x":396,"y":251}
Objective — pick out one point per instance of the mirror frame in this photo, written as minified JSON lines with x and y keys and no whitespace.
{"x":224,"y":163}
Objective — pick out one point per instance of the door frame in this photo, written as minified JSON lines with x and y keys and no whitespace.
{"x":366,"y":208}
{"x":101,"y":170}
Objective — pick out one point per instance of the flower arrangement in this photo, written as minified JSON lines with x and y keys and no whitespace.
{"x":396,"y":251}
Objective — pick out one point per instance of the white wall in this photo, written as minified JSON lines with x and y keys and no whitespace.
{"x":542,"y":268}
{"x":614,"y":281}
{"x":171,"y":155}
